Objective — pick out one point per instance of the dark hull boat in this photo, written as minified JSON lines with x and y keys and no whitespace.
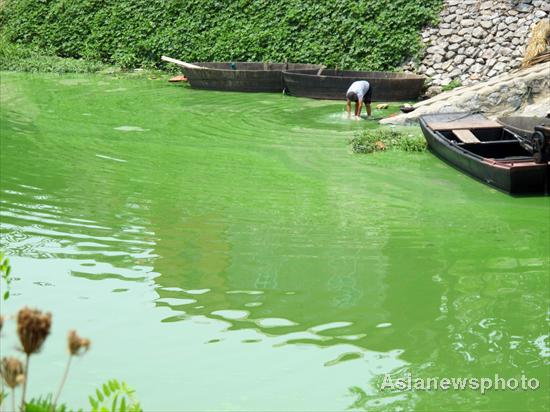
{"x":491,"y":153}
{"x":333,"y":84}
{"x":241,"y":76}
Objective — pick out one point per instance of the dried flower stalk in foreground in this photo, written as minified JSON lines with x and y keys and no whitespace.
{"x":12,"y":371}
{"x":77,"y":345}
{"x":33,"y":327}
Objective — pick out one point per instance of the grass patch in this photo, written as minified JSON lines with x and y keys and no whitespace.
{"x":17,"y":57}
{"x":379,"y":140}
{"x":21,"y":58}
{"x":452,"y":85}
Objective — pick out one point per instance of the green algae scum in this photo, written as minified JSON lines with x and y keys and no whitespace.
{"x":227,"y":251}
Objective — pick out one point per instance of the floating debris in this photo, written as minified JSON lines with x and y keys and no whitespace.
{"x":178,"y":79}
{"x":111,"y":158}
{"x":131,"y":129}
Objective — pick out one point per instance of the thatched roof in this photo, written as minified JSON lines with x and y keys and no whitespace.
{"x":537,"y":49}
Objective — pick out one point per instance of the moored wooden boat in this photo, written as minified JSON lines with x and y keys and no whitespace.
{"x":333,"y":84}
{"x":241,"y":76}
{"x":488,"y":151}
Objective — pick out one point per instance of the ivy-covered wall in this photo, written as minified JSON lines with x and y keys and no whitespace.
{"x":353,"y":34}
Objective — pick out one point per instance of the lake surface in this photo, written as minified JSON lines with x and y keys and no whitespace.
{"x":226,"y":251}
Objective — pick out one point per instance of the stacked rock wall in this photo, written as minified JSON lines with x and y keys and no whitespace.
{"x":477,"y":40}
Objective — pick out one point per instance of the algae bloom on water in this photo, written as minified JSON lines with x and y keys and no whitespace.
{"x":238,"y":244}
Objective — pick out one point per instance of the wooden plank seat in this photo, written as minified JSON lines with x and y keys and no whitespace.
{"x":465,"y":136}
{"x":464,"y":124}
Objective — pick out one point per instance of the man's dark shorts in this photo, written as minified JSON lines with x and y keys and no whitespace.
{"x":368,"y":97}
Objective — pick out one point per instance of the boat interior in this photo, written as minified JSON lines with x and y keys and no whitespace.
{"x":501,"y":150}
{"x":497,"y":134}
{"x":489,"y":142}
{"x":358,"y":75}
{"x":258,"y":66}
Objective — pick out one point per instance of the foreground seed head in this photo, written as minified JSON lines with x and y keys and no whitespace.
{"x":77,"y":345}
{"x":33,"y":327}
{"x":12,"y":371}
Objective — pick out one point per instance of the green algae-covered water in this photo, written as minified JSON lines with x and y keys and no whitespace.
{"x":226,"y":251}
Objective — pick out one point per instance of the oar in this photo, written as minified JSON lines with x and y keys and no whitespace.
{"x":180,"y":63}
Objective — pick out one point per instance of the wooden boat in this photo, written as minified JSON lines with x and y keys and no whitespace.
{"x":490,"y":152}
{"x":333,"y":84}
{"x":241,"y":76}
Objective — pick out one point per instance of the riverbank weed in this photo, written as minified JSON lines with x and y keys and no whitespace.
{"x":25,"y":58}
{"x":452,"y":85}
{"x":5,"y":277}
{"x":379,"y":140}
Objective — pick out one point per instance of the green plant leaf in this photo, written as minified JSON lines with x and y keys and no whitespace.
{"x":114,"y":405}
{"x":106,"y":390}
{"x":93,"y":402}
{"x":113,"y":385}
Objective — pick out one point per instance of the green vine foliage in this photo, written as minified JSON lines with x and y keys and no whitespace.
{"x":6,"y":279}
{"x":353,"y":34}
{"x":114,"y":396}
{"x":44,"y":404}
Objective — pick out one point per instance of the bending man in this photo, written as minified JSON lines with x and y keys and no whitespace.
{"x":359,"y":91}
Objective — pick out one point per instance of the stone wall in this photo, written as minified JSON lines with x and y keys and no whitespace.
{"x":477,"y":40}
